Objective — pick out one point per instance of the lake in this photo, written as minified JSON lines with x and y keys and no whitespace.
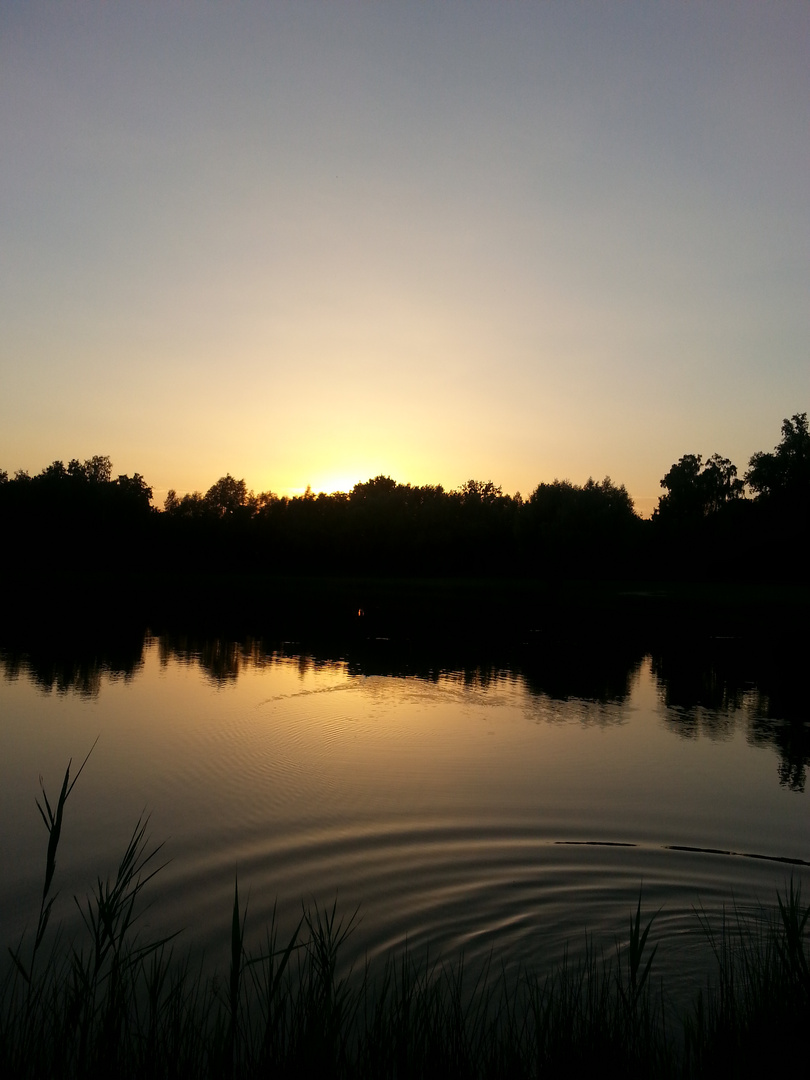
{"x":497,"y":809}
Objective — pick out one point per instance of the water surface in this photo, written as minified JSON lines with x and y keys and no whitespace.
{"x":490,"y":811}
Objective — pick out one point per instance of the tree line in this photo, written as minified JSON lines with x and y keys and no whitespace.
{"x":709,"y":523}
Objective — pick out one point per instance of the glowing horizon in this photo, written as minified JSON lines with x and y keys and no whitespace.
{"x":316,"y":244}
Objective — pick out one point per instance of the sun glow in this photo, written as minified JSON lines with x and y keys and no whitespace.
{"x":331,"y":482}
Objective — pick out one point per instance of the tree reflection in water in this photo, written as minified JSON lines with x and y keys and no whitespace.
{"x":710,"y":688}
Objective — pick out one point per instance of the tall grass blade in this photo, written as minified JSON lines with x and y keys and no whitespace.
{"x":125,"y":1008}
{"x":15,"y":956}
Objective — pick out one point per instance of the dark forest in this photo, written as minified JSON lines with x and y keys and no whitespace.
{"x":710,"y":524}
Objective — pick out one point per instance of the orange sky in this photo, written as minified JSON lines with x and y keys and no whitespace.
{"x":308,"y":243}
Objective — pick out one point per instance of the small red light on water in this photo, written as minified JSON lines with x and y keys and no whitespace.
{"x":360,"y":611}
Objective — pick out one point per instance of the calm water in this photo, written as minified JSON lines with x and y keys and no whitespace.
{"x":484,"y":811}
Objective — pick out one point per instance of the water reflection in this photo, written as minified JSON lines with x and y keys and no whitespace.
{"x":74,"y":664}
{"x":709,"y":689}
{"x":791,"y":739}
{"x":222,"y":659}
{"x":468,"y":798}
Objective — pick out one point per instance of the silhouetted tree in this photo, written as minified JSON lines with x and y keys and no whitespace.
{"x":480,"y":491}
{"x":135,"y":490}
{"x":226,"y":497}
{"x":98,"y":469}
{"x":74,"y":517}
{"x":779,"y":537}
{"x":702,"y":526}
{"x":586,"y":530}
{"x":191,"y":506}
{"x":785,"y":473}
{"x":373,"y":490}
{"x":695,"y":490}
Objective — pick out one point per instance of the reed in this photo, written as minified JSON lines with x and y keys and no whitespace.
{"x":116,"y":1005}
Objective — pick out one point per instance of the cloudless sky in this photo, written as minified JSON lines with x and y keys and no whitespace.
{"x":314,"y":242}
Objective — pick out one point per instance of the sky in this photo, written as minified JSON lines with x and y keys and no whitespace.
{"x":310,"y":243}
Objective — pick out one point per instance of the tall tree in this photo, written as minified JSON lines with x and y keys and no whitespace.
{"x":784,"y":475}
{"x":695,"y":491}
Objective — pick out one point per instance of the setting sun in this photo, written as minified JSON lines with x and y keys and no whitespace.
{"x":405,"y":495}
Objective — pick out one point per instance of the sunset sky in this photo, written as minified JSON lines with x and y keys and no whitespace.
{"x":308,"y":243}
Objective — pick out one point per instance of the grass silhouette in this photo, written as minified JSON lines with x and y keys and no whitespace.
{"x":119,"y":1006}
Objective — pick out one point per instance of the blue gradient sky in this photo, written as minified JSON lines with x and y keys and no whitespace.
{"x":310,"y":243}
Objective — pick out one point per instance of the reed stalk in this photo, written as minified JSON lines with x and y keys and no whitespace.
{"x":120,"y":1006}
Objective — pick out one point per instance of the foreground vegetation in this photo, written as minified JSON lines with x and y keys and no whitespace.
{"x":118,"y":1006}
